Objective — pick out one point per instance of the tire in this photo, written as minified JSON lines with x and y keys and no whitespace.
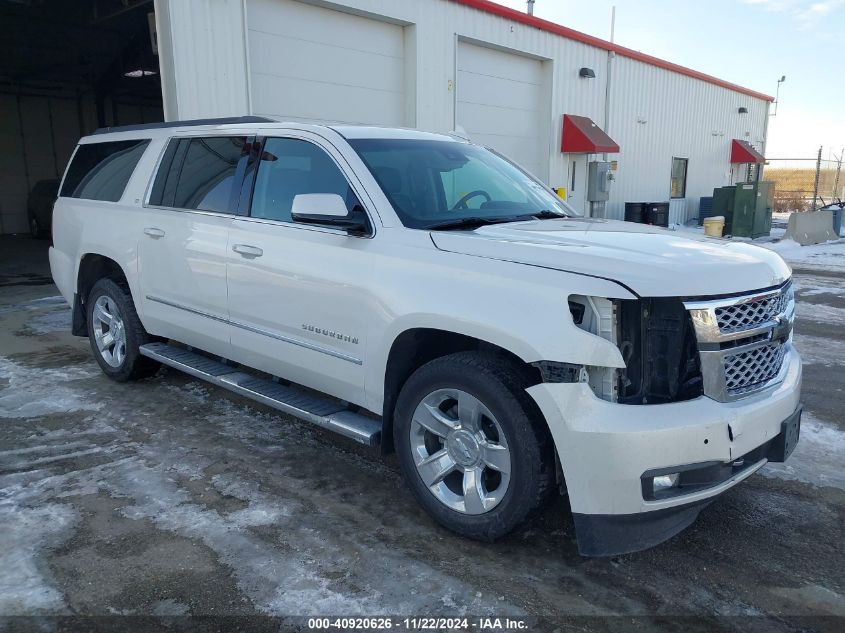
{"x":121,"y":360}
{"x":463,"y":409}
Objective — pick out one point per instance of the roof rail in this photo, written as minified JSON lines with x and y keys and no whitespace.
{"x":165,"y":124}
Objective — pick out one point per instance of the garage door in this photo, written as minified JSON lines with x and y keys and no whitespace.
{"x":309,"y":62}
{"x":500,"y":103}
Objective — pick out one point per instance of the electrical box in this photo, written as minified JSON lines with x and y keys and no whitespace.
{"x":598,"y":181}
{"x":747,"y":207}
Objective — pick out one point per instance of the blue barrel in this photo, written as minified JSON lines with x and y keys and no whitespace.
{"x":837,"y":219}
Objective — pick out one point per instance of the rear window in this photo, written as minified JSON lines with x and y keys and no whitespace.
{"x":199,"y":173}
{"x":100,"y":171}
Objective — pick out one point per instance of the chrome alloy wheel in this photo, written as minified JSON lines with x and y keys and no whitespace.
{"x":460,"y":451}
{"x":109,"y":331}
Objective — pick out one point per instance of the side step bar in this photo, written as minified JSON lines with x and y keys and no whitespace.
{"x":320,"y":411}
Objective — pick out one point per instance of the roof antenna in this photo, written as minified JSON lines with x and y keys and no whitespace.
{"x":530,"y":7}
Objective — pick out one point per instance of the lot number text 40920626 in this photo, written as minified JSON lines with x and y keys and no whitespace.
{"x":418,"y":624}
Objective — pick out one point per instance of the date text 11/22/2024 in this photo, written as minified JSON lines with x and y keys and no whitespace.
{"x":418,"y":623}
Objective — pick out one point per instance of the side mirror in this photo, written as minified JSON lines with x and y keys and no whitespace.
{"x":329,"y":209}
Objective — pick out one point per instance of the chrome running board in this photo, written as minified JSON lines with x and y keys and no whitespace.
{"x":323,"y":412}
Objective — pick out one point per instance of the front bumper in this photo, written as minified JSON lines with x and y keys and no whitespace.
{"x":606,"y":448}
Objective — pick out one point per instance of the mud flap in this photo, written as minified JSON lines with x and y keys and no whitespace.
{"x":78,"y":325}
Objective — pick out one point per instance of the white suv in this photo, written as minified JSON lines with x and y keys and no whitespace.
{"x":417,"y":292}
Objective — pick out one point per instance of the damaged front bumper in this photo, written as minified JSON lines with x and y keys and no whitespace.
{"x":610,"y":454}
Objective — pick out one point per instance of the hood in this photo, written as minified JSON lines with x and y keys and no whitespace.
{"x":651,"y":261}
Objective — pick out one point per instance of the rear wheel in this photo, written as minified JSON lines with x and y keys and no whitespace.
{"x":471,"y":446}
{"x":115,"y":332}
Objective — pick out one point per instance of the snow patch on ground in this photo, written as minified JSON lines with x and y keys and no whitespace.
{"x":34,"y":392}
{"x":828,"y":255}
{"x":56,"y":301}
{"x":819,"y":312}
{"x":807,"y":286}
{"x":25,"y":587}
{"x":815,"y":350}
{"x":819,"y":457}
{"x":54,"y":321}
{"x":312,"y":572}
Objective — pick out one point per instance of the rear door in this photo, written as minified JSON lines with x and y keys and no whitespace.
{"x":183,"y":248}
{"x":299,"y":302}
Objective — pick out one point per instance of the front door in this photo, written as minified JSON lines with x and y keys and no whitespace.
{"x":298,"y":298}
{"x":184,"y":246}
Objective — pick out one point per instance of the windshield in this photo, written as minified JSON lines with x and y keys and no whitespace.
{"x":430,"y":183}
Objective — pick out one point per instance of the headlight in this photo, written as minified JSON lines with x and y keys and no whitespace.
{"x":598,"y":316}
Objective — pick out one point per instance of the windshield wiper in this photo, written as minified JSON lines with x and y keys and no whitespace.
{"x":546,"y":214}
{"x":475,"y":222}
{"x":468,"y":223}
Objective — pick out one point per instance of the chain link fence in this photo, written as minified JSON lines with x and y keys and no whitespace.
{"x":804,"y":184}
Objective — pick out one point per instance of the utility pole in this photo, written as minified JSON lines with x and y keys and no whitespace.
{"x":836,"y":192}
{"x":816,"y":185}
{"x":777,"y":95}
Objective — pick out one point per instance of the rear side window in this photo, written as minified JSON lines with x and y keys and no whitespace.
{"x":199,"y":173}
{"x":100,"y":171}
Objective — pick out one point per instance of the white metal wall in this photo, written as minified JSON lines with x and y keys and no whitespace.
{"x":202,"y":58}
{"x":324,"y":65}
{"x":655,"y":113}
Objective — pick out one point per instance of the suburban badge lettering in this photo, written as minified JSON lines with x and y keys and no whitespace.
{"x":330,"y":333}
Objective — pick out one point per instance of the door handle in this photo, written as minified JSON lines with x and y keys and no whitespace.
{"x":248,"y":251}
{"x":153,"y":232}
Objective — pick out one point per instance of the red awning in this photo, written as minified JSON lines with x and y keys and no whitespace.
{"x":582,"y":136}
{"x":743,"y":152}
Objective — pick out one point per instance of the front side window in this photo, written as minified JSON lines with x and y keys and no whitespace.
{"x":199,"y":173}
{"x":434,"y":182}
{"x":679,"y":177}
{"x":101,"y":171}
{"x":290,"y":167}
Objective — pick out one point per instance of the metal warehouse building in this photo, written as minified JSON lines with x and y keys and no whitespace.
{"x":551,"y":98}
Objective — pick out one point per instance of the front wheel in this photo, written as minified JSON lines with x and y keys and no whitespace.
{"x":471,"y":445}
{"x":116,"y":334}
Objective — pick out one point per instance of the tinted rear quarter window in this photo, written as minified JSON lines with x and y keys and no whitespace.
{"x":100,"y":171}
{"x":199,"y":173}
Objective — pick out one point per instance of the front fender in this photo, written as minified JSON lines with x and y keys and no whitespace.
{"x":523,"y":309}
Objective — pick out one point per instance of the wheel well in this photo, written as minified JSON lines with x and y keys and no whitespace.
{"x":414,"y":348}
{"x":91,"y":268}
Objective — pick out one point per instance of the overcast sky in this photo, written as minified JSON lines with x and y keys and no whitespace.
{"x":747,"y":42}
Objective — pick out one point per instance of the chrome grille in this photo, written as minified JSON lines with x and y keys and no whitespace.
{"x":742,"y":341}
{"x":748,"y":370}
{"x":754,"y":313}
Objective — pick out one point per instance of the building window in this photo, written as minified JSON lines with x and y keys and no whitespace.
{"x":679,"y":177}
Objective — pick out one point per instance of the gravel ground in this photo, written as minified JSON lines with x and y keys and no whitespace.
{"x":171,"y":497}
